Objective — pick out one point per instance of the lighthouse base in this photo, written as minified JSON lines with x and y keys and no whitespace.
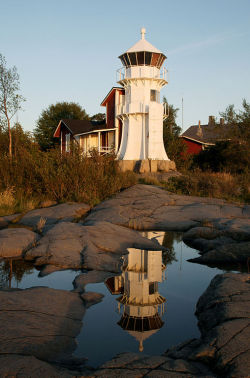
{"x":146,"y":166}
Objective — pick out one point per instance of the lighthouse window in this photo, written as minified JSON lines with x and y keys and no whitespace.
{"x":148,"y":56}
{"x":153,"y":287}
{"x":132,"y":58}
{"x":126,"y":59}
{"x":154,"y":95}
{"x":155,"y":57}
{"x":140,"y":58}
{"x":123,"y":60}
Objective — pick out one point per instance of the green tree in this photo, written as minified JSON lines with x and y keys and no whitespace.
{"x":171,"y":132}
{"x":238,"y":122}
{"x":98,"y":117}
{"x":20,"y":140}
{"x":10,"y":99}
{"x":49,"y":119}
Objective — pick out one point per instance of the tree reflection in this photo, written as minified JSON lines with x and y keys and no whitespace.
{"x":13,"y":268}
{"x":168,"y":256}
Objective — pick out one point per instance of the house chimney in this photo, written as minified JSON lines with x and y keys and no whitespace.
{"x":199,"y":131}
{"x":222,"y":121}
{"x":211,"y":120}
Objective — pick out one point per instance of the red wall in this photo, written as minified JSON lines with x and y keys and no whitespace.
{"x":192,"y":147}
{"x":111,"y":111}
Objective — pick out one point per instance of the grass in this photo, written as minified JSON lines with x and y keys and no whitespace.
{"x":31,"y":178}
{"x":227,"y":186}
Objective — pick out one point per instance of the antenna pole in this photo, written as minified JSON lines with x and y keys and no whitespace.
{"x":182,"y":114}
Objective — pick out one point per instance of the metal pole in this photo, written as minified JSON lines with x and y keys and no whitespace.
{"x":182,"y":114}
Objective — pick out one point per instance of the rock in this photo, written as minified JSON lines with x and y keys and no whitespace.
{"x":123,"y":373}
{"x":226,"y":254}
{"x":140,"y":365}
{"x":3,"y":224}
{"x":52,"y":215}
{"x":40,"y":322}
{"x":97,"y":246}
{"x":147,"y":207}
{"x":126,"y":165}
{"x":223,"y":312}
{"x":210,"y":224}
{"x":47,"y":203}
{"x":15,"y":241}
{"x":90,"y":298}
{"x":14,"y":365}
{"x":92,"y":276}
{"x":144,"y":167}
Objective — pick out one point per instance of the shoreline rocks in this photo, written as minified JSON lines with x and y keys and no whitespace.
{"x":40,"y":324}
{"x":15,"y":241}
{"x":98,"y":246}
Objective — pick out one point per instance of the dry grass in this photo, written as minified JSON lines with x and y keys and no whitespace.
{"x":208,"y":184}
{"x":39,"y":176}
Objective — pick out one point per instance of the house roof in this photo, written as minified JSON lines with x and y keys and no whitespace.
{"x":112,"y":90}
{"x":206,"y":134}
{"x":76,"y":126}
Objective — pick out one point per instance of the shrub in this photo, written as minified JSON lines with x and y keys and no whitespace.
{"x":210,"y":184}
{"x":229,"y":156}
{"x":38,"y":175}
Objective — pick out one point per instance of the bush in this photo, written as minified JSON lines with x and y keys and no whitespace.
{"x":37,"y":175}
{"x":208,"y":184}
{"x":229,"y":156}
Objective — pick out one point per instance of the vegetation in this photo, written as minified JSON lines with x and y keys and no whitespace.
{"x":50,"y":118}
{"x":10,"y":99}
{"x":227,"y":156}
{"x":171,"y":132}
{"x":209,"y":184}
{"x":32,"y":176}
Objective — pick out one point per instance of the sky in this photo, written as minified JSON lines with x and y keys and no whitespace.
{"x":67,"y":50}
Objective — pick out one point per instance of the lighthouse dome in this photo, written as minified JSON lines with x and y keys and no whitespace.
{"x":143,"y":53}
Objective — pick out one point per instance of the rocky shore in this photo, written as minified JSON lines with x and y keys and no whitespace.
{"x":38,"y":325}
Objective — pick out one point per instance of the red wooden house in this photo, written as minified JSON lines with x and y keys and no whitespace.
{"x":104,"y":136}
{"x":199,"y":137}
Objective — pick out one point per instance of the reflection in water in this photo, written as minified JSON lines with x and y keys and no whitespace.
{"x":140,"y":303}
{"x":13,"y":269}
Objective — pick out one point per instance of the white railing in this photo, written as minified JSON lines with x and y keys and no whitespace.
{"x":165,"y":110}
{"x":137,"y":72}
{"x":132,"y":108}
{"x":106,"y":150}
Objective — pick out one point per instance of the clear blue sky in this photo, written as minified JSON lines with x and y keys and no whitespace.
{"x":66,"y":50}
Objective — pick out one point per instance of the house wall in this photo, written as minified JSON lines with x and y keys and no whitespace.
{"x":111,"y":111}
{"x":192,"y":146}
{"x":64,"y":132}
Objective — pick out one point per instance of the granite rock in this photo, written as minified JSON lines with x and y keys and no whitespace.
{"x":15,"y":241}
{"x":97,"y":246}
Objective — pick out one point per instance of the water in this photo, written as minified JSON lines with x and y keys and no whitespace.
{"x":161,"y":290}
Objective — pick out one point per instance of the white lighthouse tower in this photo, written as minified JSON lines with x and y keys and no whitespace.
{"x":140,"y":110}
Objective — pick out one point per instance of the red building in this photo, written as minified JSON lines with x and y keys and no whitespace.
{"x":198,"y":137}
{"x":104,"y":136}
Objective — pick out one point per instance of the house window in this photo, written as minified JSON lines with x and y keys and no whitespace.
{"x":67,"y":144}
{"x":153,"y":288}
{"x":154,"y":95}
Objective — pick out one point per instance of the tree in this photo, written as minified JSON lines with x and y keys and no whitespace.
{"x":49,"y":119}
{"x":98,"y":117}
{"x":171,"y":132}
{"x":238,"y":122}
{"x":20,"y":140}
{"x":10,"y":100}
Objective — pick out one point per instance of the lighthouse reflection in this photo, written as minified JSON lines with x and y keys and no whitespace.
{"x":140,"y":304}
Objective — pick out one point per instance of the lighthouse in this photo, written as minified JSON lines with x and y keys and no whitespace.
{"x":140,"y":304}
{"x":139,"y":108}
